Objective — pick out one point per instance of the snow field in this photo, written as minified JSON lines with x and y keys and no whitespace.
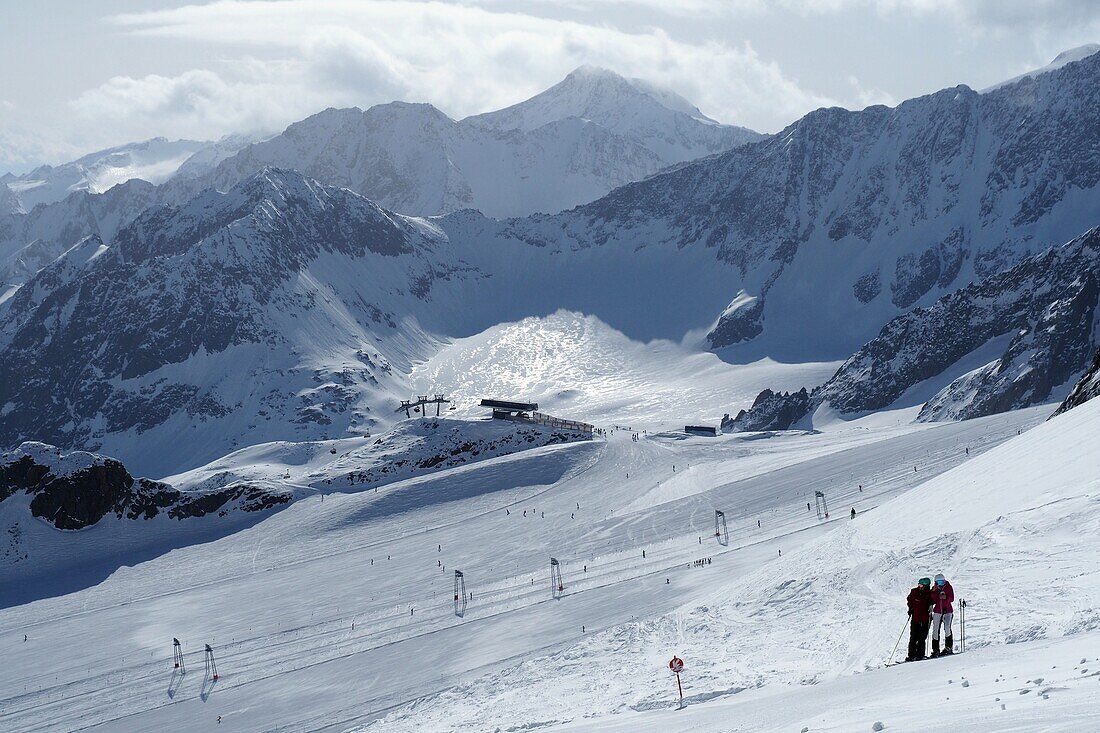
{"x":1006,"y":528}
{"x":277,"y":600}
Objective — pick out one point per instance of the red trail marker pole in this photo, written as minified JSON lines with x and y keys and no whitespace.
{"x":677,"y":666}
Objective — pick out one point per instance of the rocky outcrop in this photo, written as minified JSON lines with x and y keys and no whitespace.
{"x":1087,"y":388}
{"x":76,"y":490}
{"x":770,"y":411}
{"x":1038,"y":318}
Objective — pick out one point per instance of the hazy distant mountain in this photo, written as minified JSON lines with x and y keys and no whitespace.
{"x":152,"y":160}
{"x":1066,"y":57}
{"x":661,"y":120}
{"x":569,"y":145}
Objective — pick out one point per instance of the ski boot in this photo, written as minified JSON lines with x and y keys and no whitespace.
{"x":935,"y":648}
{"x":949,"y":645}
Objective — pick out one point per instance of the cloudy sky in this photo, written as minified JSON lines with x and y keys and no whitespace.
{"x":79,"y":76}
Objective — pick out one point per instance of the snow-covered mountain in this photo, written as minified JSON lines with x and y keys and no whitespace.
{"x":272,"y":311}
{"x":1066,"y":57}
{"x":48,"y":210}
{"x":1018,"y":338}
{"x":798,"y":247}
{"x":847,"y":219}
{"x":29,"y":242}
{"x":595,"y":131}
{"x":152,"y":160}
{"x":9,"y":202}
{"x":661,"y":120}
{"x":569,"y":145}
{"x":206,"y":158}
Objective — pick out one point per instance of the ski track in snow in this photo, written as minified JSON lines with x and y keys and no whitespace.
{"x":277,"y":600}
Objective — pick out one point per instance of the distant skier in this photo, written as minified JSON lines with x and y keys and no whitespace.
{"x":758,"y":524}
{"x":853,"y":512}
{"x":919,"y":601}
{"x":942,"y":612}
{"x":808,"y":507}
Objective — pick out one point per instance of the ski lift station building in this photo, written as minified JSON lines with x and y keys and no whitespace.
{"x":528,"y":412}
{"x":505,"y":410}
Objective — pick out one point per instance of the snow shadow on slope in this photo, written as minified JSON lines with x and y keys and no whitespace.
{"x":540,"y":467}
{"x":61,"y":557}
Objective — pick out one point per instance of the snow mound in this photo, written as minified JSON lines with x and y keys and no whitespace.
{"x":412,"y":448}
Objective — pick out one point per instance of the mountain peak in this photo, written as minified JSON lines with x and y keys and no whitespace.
{"x":1063,"y":59}
{"x":592,"y":71}
{"x":1075,"y":54}
{"x":591,"y":93}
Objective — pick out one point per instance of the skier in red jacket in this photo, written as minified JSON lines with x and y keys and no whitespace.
{"x":919,"y":601}
{"x":942,"y":612}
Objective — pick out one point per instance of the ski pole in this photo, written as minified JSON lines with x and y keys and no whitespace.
{"x":962,"y":625}
{"x":898,"y":643}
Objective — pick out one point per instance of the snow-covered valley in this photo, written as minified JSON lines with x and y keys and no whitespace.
{"x":329,"y":613}
{"x":300,"y":432}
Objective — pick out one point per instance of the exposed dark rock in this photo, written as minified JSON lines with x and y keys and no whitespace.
{"x":867,"y":287}
{"x":1087,"y":388}
{"x":737,"y":325}
{"x":1046,"y":309}
{"x":770,"y":411}
{"x":76,"y":490}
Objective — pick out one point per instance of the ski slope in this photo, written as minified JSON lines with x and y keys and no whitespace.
{"x":806,"y":637}
{"x":338,"y":611}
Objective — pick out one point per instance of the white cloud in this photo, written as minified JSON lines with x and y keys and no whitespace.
{"x":464,"y":59}
{"x":26,"y":142}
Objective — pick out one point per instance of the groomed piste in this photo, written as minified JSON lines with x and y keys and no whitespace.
{"x":340,"y":613}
